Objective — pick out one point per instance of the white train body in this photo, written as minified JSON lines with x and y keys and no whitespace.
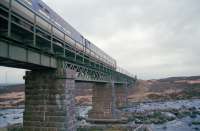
{"x":61,"y":29}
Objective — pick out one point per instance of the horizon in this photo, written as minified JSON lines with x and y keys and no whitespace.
{"x":147,"y":38}
{"x":18,"y":78}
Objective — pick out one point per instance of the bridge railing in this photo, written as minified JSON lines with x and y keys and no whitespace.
{"x":41,"y":26}
{"x":123,"y":71}
{"x":40,"y":30}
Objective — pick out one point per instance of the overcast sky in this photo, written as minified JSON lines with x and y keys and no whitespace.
{"x":150,"y":38}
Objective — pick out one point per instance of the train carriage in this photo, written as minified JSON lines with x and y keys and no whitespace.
{"x":50,"y":23}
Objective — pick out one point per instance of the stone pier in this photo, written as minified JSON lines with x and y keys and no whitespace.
{"x":49,"y":101}
{"x":104,"y":104}
{"x":121,"y":95}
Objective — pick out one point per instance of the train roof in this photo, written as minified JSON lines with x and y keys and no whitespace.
{"x":39,"y":5}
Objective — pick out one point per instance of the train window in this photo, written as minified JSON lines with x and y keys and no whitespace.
{"x":40,"y":5}
{"x":87,"y":44}
{"x":46,"y":11}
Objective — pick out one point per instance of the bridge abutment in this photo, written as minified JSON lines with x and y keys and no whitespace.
{"x":49,"y":101}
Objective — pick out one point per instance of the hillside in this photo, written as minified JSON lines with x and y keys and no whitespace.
{"x":11,"y":96}
{"x":166,"y":89}
{"x":144,"y":90}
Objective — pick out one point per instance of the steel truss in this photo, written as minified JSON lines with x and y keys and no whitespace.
{"x":84,"y":73}
{"x":29,"y":35}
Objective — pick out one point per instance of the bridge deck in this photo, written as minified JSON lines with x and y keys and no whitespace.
{"x":24,"y":44}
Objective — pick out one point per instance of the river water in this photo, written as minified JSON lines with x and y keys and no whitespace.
{"x":177,"y":104}
{"x":183,"y":124}
{"x":14,"y":116}
{"x":10,"y":117}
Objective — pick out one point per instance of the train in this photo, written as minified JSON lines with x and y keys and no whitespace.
{"x":62,"y":29}
{"x":47,"y":18}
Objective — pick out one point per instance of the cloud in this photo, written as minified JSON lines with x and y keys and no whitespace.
{"x":150,"y":38}
{"x":11,"y":75}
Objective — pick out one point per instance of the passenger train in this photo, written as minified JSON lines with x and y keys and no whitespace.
{"x":62,"y":30}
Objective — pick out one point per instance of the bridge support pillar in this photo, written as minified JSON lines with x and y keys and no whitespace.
{"x":104,"y":104}
{"x":121,"y":95}
{"x":49,"y":101}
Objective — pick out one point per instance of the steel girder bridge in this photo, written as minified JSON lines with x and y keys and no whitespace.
{"x":24,"y":43}
{"x":34,"y":37}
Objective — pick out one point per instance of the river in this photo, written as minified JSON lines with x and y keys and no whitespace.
{"x":14,"y":116}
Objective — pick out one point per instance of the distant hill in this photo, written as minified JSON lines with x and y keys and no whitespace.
{"x":11,"y":95}
{"x":10,"y":84}
{"x":152,"y":90}
{"x":168,"y":88}
{"x":179,"y":78}
{"x":144,"y":90}
{"x":6,"y":88}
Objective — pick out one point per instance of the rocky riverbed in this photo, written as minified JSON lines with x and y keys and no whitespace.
{"x":177,"y":115}
{"x":184,"y":124}
{"x":10,"y":117}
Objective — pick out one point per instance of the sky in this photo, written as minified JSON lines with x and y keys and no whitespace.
{"x":149,"y":38}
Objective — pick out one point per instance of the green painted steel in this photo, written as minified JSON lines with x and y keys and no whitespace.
{"x":24,"y":44}
{"x":25,"y":55}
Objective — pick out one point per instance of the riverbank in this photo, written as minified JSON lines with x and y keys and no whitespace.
{"x":179,"y":115}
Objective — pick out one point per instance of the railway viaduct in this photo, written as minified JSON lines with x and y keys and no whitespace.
{"x":53,"y":71}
